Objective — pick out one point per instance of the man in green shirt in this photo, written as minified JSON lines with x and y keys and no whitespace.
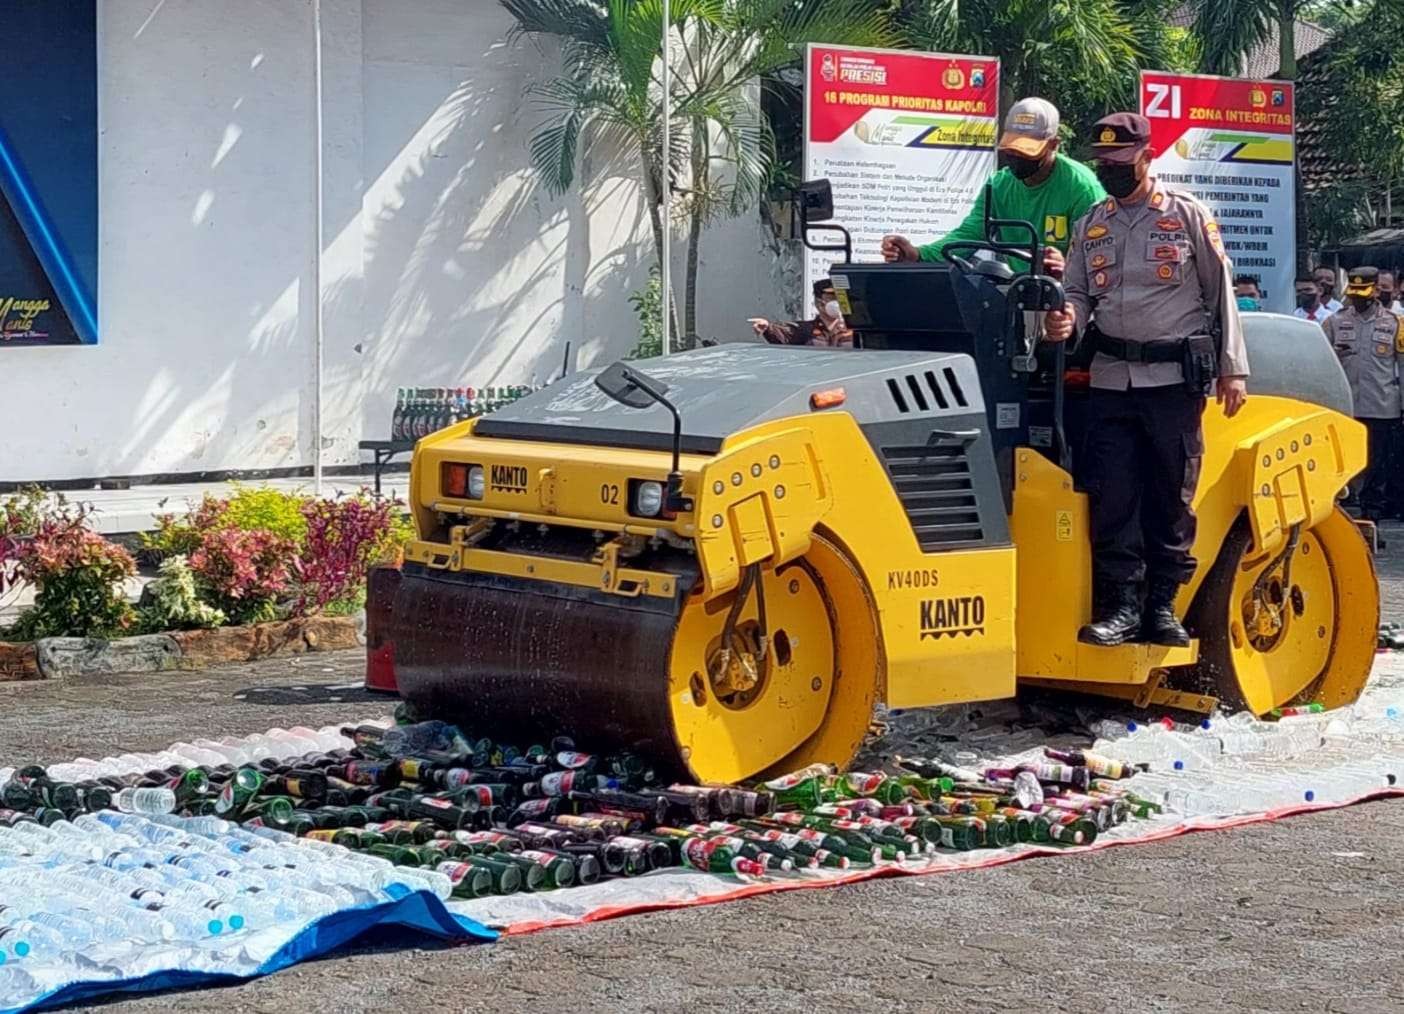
{"x":1037,"y":184}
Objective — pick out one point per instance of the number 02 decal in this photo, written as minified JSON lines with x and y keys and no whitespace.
{"x":609,"y":494}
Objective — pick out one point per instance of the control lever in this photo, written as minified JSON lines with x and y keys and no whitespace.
{"x":1037,"y":294}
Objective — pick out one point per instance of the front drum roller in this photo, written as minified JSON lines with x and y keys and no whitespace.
{"x":807,"y":697}
{"x":689,"y":683}
{"x":1297,"y":625}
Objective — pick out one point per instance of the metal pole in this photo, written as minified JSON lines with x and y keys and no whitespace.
{"x":318,"y":335}
{"x":665,"y":254}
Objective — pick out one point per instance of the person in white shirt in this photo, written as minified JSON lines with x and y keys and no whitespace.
{"x":1326,"y":278}
{"x":1309,"y":305}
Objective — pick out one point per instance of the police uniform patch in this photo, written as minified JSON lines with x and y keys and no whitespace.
{"x":1099,"y":260}
{"x":1399,"y":338}
{"x":1211,"y":232}
{"x":1157,"y":200}
{"x":1096,"y":232}
{"x":1169,"y":224}
{"x":1166,"y":272}
{"x":1111,"y":204}
{"x":1100,"y":279}
{"x":1165,"y":252}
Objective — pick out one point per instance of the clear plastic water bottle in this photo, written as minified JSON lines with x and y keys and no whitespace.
{"x":151,"y":800}
{"x":17,"y":987}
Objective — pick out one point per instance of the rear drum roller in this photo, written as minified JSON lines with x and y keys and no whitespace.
{"x":781,"y":673}
{"x":1288,"y":627}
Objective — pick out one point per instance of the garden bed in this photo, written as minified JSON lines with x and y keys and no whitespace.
{"x":259,"y":573}
{"x":180,"y":650}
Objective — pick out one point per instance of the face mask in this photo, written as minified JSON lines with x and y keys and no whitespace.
{"x":1023,"y":168}
{"x":1362,"y":304}
{"x":1306,"y":300}
{"x":832,"y":310}
{"x":1386,"y":299}
{"x":1248,"y":303}
{"x":1118,"y":180}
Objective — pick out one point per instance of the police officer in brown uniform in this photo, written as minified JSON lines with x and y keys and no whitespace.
{"x":1369,"y":341}
{"x":1149,"y":283}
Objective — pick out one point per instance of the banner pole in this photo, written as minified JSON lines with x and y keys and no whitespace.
{"x":665,"y":246}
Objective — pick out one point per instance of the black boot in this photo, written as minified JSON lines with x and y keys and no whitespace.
{"x":1158,"y":622}
{"x":1115,"y":619}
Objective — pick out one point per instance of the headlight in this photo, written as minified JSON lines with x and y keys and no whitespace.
{"x":648,"y":499}
{"x":477,"y":483}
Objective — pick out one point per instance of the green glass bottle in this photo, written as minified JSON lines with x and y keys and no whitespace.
{"x":715,"y":856}
{"x":192,"y":785}
{"x":238,"y":792}
{"x":858,"y":784}
{"x":560,"y":871}
{"x":275,"y":811}
{"x":400,"y":855}
{"x":506,"y":877}
{"x":803,"y":793}
{"x":469,"y":881}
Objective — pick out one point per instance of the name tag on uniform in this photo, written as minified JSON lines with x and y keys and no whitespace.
{"x":1174,"y":236}
{"x":1099,"y":244}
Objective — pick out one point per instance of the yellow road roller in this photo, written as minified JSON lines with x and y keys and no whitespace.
{"x":724,"y":559}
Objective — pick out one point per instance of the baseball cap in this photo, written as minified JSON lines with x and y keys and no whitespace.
{"x":1120,"y":137}
{"x":1362,"y":281}
{"x":1028,"y":128}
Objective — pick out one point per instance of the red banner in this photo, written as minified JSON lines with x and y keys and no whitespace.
{"x":846,"y":83}
{"x":1175,"y":103}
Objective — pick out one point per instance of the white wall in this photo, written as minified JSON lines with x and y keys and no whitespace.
{"x":444,"y":263}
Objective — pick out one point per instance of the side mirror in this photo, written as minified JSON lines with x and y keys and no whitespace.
{"x":816,"y":201}
{"x":629,"y":388}
{"x":633,"y":389}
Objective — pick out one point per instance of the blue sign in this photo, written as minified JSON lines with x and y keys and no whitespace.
{"x":48,"y":175}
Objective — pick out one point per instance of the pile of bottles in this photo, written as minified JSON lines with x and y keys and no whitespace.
{"x":420,"y":411}
{"x":96,"y":872}
{"x":1242,"y":764}
{"x":487,"y":818}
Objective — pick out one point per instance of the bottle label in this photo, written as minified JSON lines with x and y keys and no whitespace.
{"x":573,"y":760}
{"x":558,"y":783}
{"x":481,"y":837}
{"x":435,"y":802}
{"x":786,"y":781}
{"x":540,"y":858}
{"x":412,"y":768}
{"x":698,"y":851}
{"x":456,"y":778}
{"x":861,"y":783}
{"x":322,"y":835}
{"x":534,"y":807}
{"x":454,"y":871}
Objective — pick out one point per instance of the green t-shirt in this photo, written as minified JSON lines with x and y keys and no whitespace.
{"x":1058,"y":202}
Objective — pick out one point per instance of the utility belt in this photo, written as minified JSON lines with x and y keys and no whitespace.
{"x":1197,"y":356}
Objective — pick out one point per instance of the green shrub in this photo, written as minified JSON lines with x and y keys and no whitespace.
{"x":648,"y":305}
{"x":79,"y":579}
{"x":244,"y":573}
{"x":172,"y":603}
{"x":261,"y":509}
{"x":174,"y":536}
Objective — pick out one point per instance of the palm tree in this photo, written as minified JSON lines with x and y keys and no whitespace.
{"x":725,"y":64}
{"x":1046,"y":47}
{"x":1231,"y":29}
{"x":609,"y":91}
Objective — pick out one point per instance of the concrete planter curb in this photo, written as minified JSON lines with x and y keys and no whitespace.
{"x":63,"y":657}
